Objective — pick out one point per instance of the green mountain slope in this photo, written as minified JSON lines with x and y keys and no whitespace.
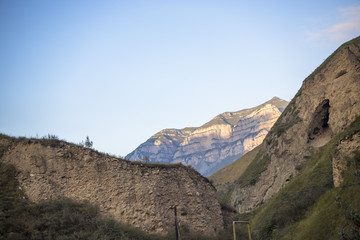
{"x":303,"y":181}
{"x":309,"y":207}
{"x":225,"y":177}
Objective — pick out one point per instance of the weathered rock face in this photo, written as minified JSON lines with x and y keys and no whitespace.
{"x":215,"y":144}
{"x":345,"y":149}
{"x":326,"y":104}
{"x":135,"y":193}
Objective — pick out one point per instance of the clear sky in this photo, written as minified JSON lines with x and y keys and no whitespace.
{"x":120,"y":71}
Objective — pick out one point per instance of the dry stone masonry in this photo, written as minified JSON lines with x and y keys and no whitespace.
{"x":139,"y":194}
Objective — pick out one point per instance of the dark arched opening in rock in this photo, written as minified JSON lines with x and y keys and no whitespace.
{"x":319,"y":125}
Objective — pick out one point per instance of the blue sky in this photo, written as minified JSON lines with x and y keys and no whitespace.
{"x":120,"y":71}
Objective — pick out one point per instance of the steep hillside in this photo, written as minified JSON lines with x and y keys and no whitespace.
{"x":142,"y":195}
{"x":303,"y":182}
{"x":326,"y":104}
{"x":225,"y":178}
{"x":310,"y":206}
{"x":215,"y":144}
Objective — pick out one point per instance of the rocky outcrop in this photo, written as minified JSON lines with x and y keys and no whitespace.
{"x":344,"y":151}
{"x":326,"y":104}
{"x":215,"y":144}
{"x":142,"y":195}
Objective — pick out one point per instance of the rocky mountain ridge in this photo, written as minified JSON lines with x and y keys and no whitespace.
{"x":139,"y":194}
{"x":216,"y":143}
{"x":325,"y":106}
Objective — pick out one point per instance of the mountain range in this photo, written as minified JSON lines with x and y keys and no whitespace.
{"x":216,"y":143}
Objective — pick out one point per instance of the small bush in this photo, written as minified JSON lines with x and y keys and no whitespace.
{"x":87,"y":143}
{"x":50,"y":140}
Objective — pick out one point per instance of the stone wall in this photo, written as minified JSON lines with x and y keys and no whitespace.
{"x":139,"y":194}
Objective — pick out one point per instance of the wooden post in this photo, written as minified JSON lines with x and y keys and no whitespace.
{"x":234,"y":230}
{"x":177,"y":230}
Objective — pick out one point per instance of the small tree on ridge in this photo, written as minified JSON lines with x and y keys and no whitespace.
{"x":88,"y":143}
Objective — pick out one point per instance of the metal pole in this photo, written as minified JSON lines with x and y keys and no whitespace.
{"x":249,"y":230}
{"x":234,"y":230}
{"x":248,"y":225}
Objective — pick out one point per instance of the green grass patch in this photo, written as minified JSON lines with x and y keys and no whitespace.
{"x":247,"y":170}
{"x":256,"y":167}
{"x":227,"y":176}
{"x":225,"y":197}
{"x":281,"y":216}
{"x":336,"y":215}
{"x":65,"y":219}
{"x":290,"y":204}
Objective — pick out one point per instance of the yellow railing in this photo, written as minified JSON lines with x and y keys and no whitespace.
{"x":248,"y":225}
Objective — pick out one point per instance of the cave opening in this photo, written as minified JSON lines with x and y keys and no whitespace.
{"x":320,"y":120}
